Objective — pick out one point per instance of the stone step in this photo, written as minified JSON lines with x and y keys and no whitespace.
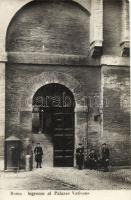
{"x":40,"y":136}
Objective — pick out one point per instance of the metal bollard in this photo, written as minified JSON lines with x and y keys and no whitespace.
{"x":28,"y":163}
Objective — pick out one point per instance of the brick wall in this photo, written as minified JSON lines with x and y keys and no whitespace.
{"x":116,"y":112}
{"x":64,"y":29}
{"x":50,"y":28}
{"x":17,"y":78}
{"x":116,"y":123}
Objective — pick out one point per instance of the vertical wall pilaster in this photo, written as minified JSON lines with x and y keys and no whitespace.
{"x":35,"y":122}
{"x":96,"y":27}
{"x":2,"y":109}
{"x":125,"y":45}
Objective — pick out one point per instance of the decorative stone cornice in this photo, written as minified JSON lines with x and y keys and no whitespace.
{"x":114,"y":61}
{"x":52,"y":59}
{"x":61,"y":59}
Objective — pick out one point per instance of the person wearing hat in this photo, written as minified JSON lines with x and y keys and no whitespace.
{"x":105,"y":157}
{"x":92,"y":159}
{"x":79,"y":156}
{"x":38,"y":155}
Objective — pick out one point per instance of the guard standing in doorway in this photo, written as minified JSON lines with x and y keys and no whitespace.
{"x":79,"y":156}
{"x":38,"y":155}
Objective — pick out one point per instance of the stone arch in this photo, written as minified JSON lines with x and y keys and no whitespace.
{"x":50,"y":77}
{"x":19,"y":5}
{"x":39,"y":26}
{"x":16,"y":6}
{"x":73,"y":85}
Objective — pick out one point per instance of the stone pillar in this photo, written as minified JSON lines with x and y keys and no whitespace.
{"x":26,"y":133}
{"x":35,"y":122}
{"x":96,"y":27}
{"x":2,"y":109}
{"x":28,"y":154}
{"x":28,"y":163}
{"x":125,"y":45}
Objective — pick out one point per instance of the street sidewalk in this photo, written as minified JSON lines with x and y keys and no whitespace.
{"x":67,"y":178}
{"x":89,"y":179}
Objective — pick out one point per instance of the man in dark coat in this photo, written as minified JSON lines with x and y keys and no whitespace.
{"x":38,"y":155}
{"x":92,"y":160}
{"x":105,"y":157}
{"x":79,"y":156}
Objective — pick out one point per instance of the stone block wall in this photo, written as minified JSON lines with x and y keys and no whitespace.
{"x":116,"y":113}
{"x":10,"y":9}
{"x":116,"y":116}
{"x":61,"y":34}
{"x":50,"y":27}
{"x":18,"y":77}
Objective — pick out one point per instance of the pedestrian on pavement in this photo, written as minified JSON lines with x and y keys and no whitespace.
{"x":105,"y":157}
{"x":38,"y":155}
{"x":92,"y":159}
{"x":80,"y":156}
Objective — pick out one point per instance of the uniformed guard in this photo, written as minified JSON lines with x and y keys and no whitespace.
{"x":79,"y":156}
{"x":92,"y":159}
{"x":105,"y":157}
{"x":38,"y":155}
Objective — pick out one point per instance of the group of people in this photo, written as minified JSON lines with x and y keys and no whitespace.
{"x":93,"y":160}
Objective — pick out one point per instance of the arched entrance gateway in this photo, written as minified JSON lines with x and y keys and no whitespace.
{"x":53,"y":124}
{"x":51,"y":113}
{"x":42,"y":82}
{"x":51,"y":43}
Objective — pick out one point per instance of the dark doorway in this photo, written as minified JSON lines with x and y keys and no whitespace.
{"x":53,"y":110}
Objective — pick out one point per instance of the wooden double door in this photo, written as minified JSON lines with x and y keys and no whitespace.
{"x":58,"y":123}
{"x":63,"y":138}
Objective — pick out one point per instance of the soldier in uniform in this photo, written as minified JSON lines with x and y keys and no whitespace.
{"x":79,"y":156}
{"x":38,"y":155}
{"x":92,"y":160}
{"x":105,"y":157}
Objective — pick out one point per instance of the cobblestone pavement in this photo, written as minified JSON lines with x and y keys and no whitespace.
{"x":31,"y":181}
{"x":66,"y":179}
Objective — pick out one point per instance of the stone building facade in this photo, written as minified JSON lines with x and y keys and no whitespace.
{"x":79,"y":47}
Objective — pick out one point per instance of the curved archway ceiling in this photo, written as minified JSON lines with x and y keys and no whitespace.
{"x":53,"y":95}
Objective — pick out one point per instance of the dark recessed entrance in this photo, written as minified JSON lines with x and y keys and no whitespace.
{"x":53,"y":118}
